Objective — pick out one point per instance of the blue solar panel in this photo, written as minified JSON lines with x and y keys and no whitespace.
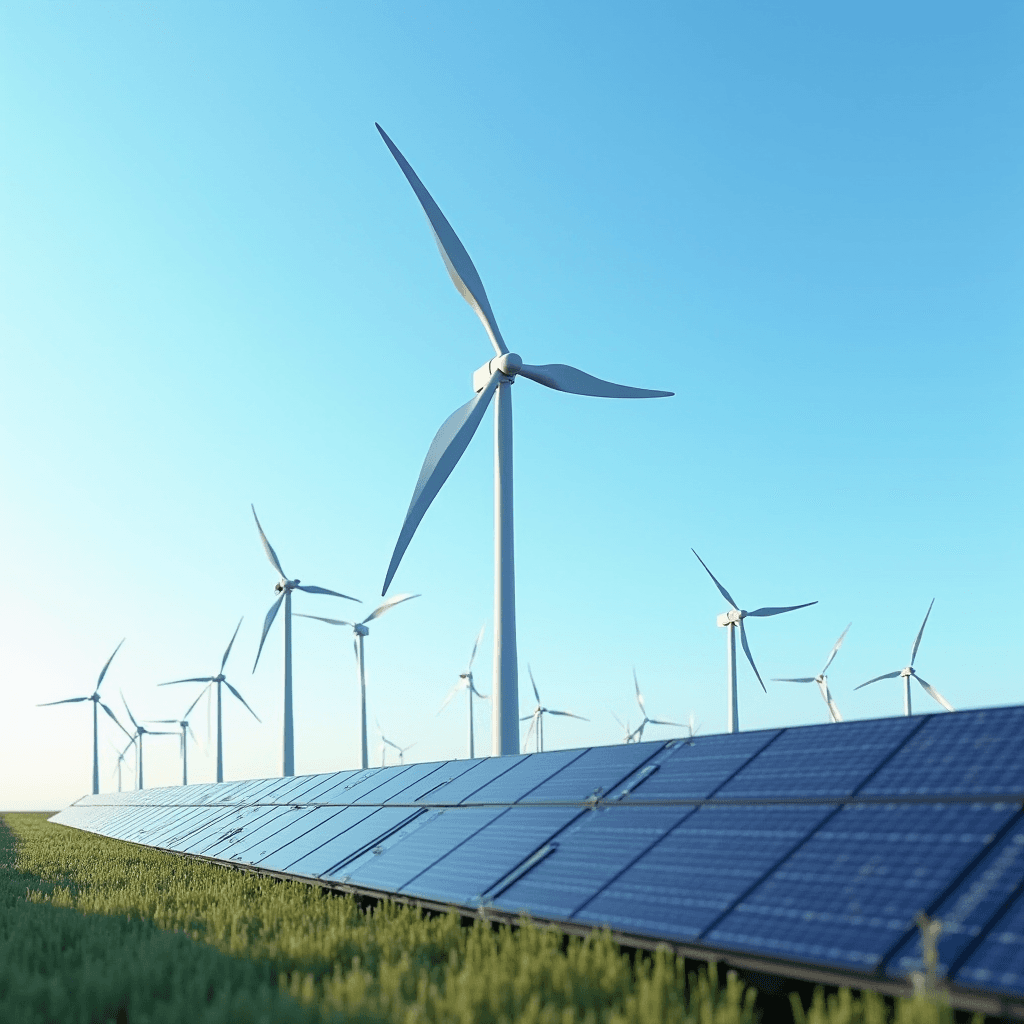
{"x":478,"y":774}
{"x":969,"y":753}
{"x":819,"y":760}
{"x":852,"y":890}
{"x":524,"y":776}
{"x":974,"y":901}
{"x":998,"y":962}
{"x":595,"y":773}
{"x":694,"y":874}
{"x":282,"y":849}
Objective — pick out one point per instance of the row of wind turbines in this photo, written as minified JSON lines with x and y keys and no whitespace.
{"x":491,"y":382}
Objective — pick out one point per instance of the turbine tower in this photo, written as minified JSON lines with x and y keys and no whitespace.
{"x":822,"y":680}
{"x":218,"y":680}
{"x":494,"y":378}
{"x":466,"y":683}
{"x":186,"y":730}
{"x":909,"y":673}
{"x":639,"y":731}
{"x":284,"y":588}
{"x":360,"y":630}
{"x":730,"y":620}
{"x":96,"y":703}
{"x":536,"y":719}
{"x":140,"y":731}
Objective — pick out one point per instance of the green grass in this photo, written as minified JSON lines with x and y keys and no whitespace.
{"x":92,"y":929}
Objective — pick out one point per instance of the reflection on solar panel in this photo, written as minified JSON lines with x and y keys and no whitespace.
{"x":806,"y":852}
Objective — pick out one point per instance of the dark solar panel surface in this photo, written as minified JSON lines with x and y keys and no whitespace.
{"x":816,"y":845}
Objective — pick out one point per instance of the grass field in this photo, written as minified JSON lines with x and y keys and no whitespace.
{"x":94,"y":930}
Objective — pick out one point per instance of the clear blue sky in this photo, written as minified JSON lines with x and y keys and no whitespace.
{"x":218,"y":289}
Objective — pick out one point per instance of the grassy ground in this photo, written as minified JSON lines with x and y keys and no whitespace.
{"x":94,"y":930}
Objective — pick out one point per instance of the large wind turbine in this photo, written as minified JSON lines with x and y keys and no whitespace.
{"x":218,"y":680}
{"x":466,"y":683}
{"x":822,"y":680}
{"x":360,"y":630}
{"x":284,"y":588}
{"x":96,"y":703}
{"x":731,"y":620}
{"x":493,"y":378}
{"x":140,"y":731}
{"x":536,"y":719}
{"x":909,"y":672}
{"x":639,"y":731}
{"x":186,"y":730}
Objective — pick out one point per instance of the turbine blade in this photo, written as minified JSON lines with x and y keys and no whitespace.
{"x":750,"y":657}
{"x":128,"y":709}
{"x":266,"y":627}
{"x":195,"y":702}
{"x":192,"y":734}
{"x":224,"y":660}
{"x":529,"y":732}
{"x":320,"y":618}
{"x":762,"y":613}
{"x":560,"y":377}
{"x":110,"y":659}
{"x":70,"y":700}
{"x":888,"y":675}
{"x":460,"y":267}
{"x":331,"y":593}
{"x":443,"y":455}
{"x":569,"y":714}
{"x":835,"y":650}
{"x":725,"y":593}
{"x":114,"y":717}
{"x":271,"y":553}
{"x":639,"y":695}
{"x":482,"y":696}
{"x":917,"y":642}
{"x":659,"y":721}
{"x":803,"y":679}
{"x":533,"y":684}
{"x":832,"y":709}
{"x":242,"y":699}
{"x":451,"y":694}
{"x":386,"y":606}
{"x":476,"y":644}
{"x":934,"y":694}
{"x":192,"y":679}
{"x":163,"y":721}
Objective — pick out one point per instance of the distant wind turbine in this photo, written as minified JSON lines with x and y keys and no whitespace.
{"x":466,"y":683}
{"x":385,"y":743}
{"x":493,"y":378}
{"x":629,"y":733}
{"x":96,"y":703}
{"x":731,"y":620}
{"x":643,"y":710}
{"x":140,"y":731}
{"x":284,"y":588}
{"x":360,"y":630}
{"x":218,"y":680}
{"x":536,"y":719}
{"x":120,"y":760}
{"x":909,"y":672}
{"x":822,"y":680}
{"x":186,"y":731}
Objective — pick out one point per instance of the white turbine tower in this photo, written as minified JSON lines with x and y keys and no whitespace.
{"x":284,"y":588}
{"x":140,"y":731}
{"x":96,"y":704}
{"x":536,"y":719}
{"x":822,"y":680}
{"x":385,"y":743}
{"x":120,"y":760}
{"x":730,"y":620}
{"x":360,"y":630}
{"x":466,"y":683}
{"x":186,"y":730}
{"x":643,"y":711}
{"x":493,"y":378}
{"x":909,"y":673}
{"x":218,"y":680}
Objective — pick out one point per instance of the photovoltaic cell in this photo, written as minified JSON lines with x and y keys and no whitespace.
{"x":460,"y":788}
{"x":525,"y":775}
{"x":998,"y":962}
{"x":594,"y":773}
{"x":853,"y":889}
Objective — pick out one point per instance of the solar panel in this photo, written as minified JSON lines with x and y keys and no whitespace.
{"x":815,"y":847}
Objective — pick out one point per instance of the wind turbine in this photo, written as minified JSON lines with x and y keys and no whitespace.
{"x":909,"y":672}
{"x":466,"y":683}
{"x":536,"y":720}
{"x":140,"y":731}
{"x":731,"y":620}
{"x":360,"y":630}
{"x":284,"y":588}
{"x":493,"y":378}
{"x":385,"y":743}
{"x":217,"y":681}
{"x":629,"y":734}
{"x":120,"y":760}
{"x":643,"y":710}
{"x":822,"y":680}
{"x":96,"y":703}
{"x":186,"y":729}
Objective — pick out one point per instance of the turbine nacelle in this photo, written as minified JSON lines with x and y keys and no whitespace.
{"x":283,"y":585}
{"x":731,"y":617}
{"x":361,"y":630}
{"x":509,"y":364}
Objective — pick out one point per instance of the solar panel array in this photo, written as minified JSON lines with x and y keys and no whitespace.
{"x":809,"y":847}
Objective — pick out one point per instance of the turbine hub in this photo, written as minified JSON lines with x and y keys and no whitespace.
{"x":282,"y":585}
{"x":730,"y":618}
{"x":361,"y":629}
{"x":509,"y":364}
{"x":908,"y":671}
